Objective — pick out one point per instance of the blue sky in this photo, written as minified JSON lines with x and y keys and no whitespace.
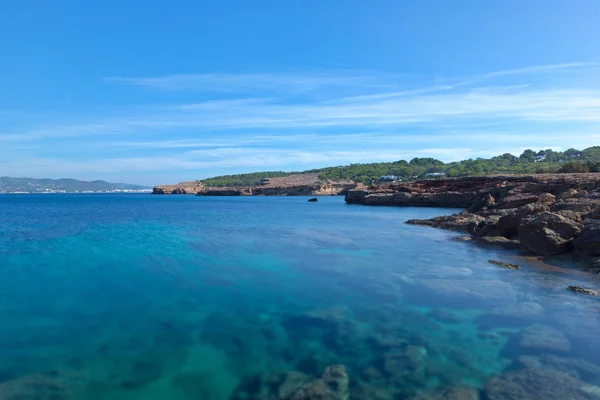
{"x":159,"y":91}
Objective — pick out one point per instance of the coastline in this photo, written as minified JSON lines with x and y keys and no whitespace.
{"x":542,"y":215}
{"x":291,"y":185}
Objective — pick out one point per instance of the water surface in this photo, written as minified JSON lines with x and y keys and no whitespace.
{"x":182,"y":297}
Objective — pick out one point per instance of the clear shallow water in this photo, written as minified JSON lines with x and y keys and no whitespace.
{"x":180,"y":297}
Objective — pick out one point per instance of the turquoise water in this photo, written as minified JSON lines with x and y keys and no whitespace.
{"x":182,"y":297}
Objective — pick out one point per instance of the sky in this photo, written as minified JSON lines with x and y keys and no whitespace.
{"x":156,"y":92}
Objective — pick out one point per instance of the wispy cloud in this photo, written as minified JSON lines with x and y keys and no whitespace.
{"x":261,"y":120}
{"x":271,"y":82}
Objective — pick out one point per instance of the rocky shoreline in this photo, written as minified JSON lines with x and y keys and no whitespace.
{"x":291,"y":185}
{"x":546,"y":214}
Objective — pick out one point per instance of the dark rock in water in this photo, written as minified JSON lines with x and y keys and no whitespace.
{"x":574,"y":367}
{"x":372,"y":392}
{"x":313,"y":200}
{"x":543,"y":338}
{"x":538,"y":384}
{"x":276,"y":386}
{"x":462,"y":238}
{"x":581,"y":290}
{"x":503,"y":264}
{"x":588,"y":241}
{"x":456,"y":222}
{"x":500,"y":241}
{"x":334,"y":385}
{"x":458,"y":393}
{"x":293,"y":385}
{"x":548,"y":233}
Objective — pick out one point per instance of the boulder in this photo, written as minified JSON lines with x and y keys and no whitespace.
{"x":537,"y":384}
{"x":547,"y":198}
{"x":569,"y":194}
{"x":500,"y":241}
{"x":588,"y":241}
{"x":487,"y":201}
{"x":548,"y":233}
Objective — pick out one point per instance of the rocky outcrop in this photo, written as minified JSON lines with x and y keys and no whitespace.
{"x":544,"y":214}
{"x":192,"y":187}
{"x":291,"y":185}
{"x":548,"y":233}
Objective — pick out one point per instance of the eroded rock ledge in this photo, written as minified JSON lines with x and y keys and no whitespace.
{"x":543,"y":214}
{"x":292,"y":185}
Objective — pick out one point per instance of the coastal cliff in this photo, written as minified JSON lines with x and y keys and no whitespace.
{"x":546,"y":214}
{"x":292,"y":185}
{"x":190,"y":187}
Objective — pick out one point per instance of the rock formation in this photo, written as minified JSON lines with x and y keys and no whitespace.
{"x":543,"y":214}
{"x":192,"y":187}
{"x":292,"y":185}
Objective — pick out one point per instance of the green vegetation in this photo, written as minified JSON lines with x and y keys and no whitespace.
{"x":250,"y":179}
{"x":529,"y":162}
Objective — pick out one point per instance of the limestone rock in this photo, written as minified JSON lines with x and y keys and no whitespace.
{"x":588,"y":241}
{"x":548,"y":233}
{"x":547,"y":198}
{"x":500,"y":241}
{"x":569,"y":194}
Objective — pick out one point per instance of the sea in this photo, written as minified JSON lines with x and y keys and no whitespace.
{"x":139,"y":296}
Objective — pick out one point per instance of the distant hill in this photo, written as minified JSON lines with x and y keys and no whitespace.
{"x":529,"y":162}
{"x":32,"y":185}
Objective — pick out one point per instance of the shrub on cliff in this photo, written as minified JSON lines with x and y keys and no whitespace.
{"x":574,"y":168}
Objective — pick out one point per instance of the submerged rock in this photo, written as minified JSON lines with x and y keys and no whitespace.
{"x":49,"y":386}
{"x":333,"y":385}
{"x":578,"y":289}
{"x":504,"y":264}
{"x":500,"y":241}
{"x":574,"y":367}
{"x":293,"y":385}
{"x":538,"y":384}
{"x":543,"y":338}
{"x":458,"y":393}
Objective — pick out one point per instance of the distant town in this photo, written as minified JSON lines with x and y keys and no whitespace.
{"x":49,"y":186}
